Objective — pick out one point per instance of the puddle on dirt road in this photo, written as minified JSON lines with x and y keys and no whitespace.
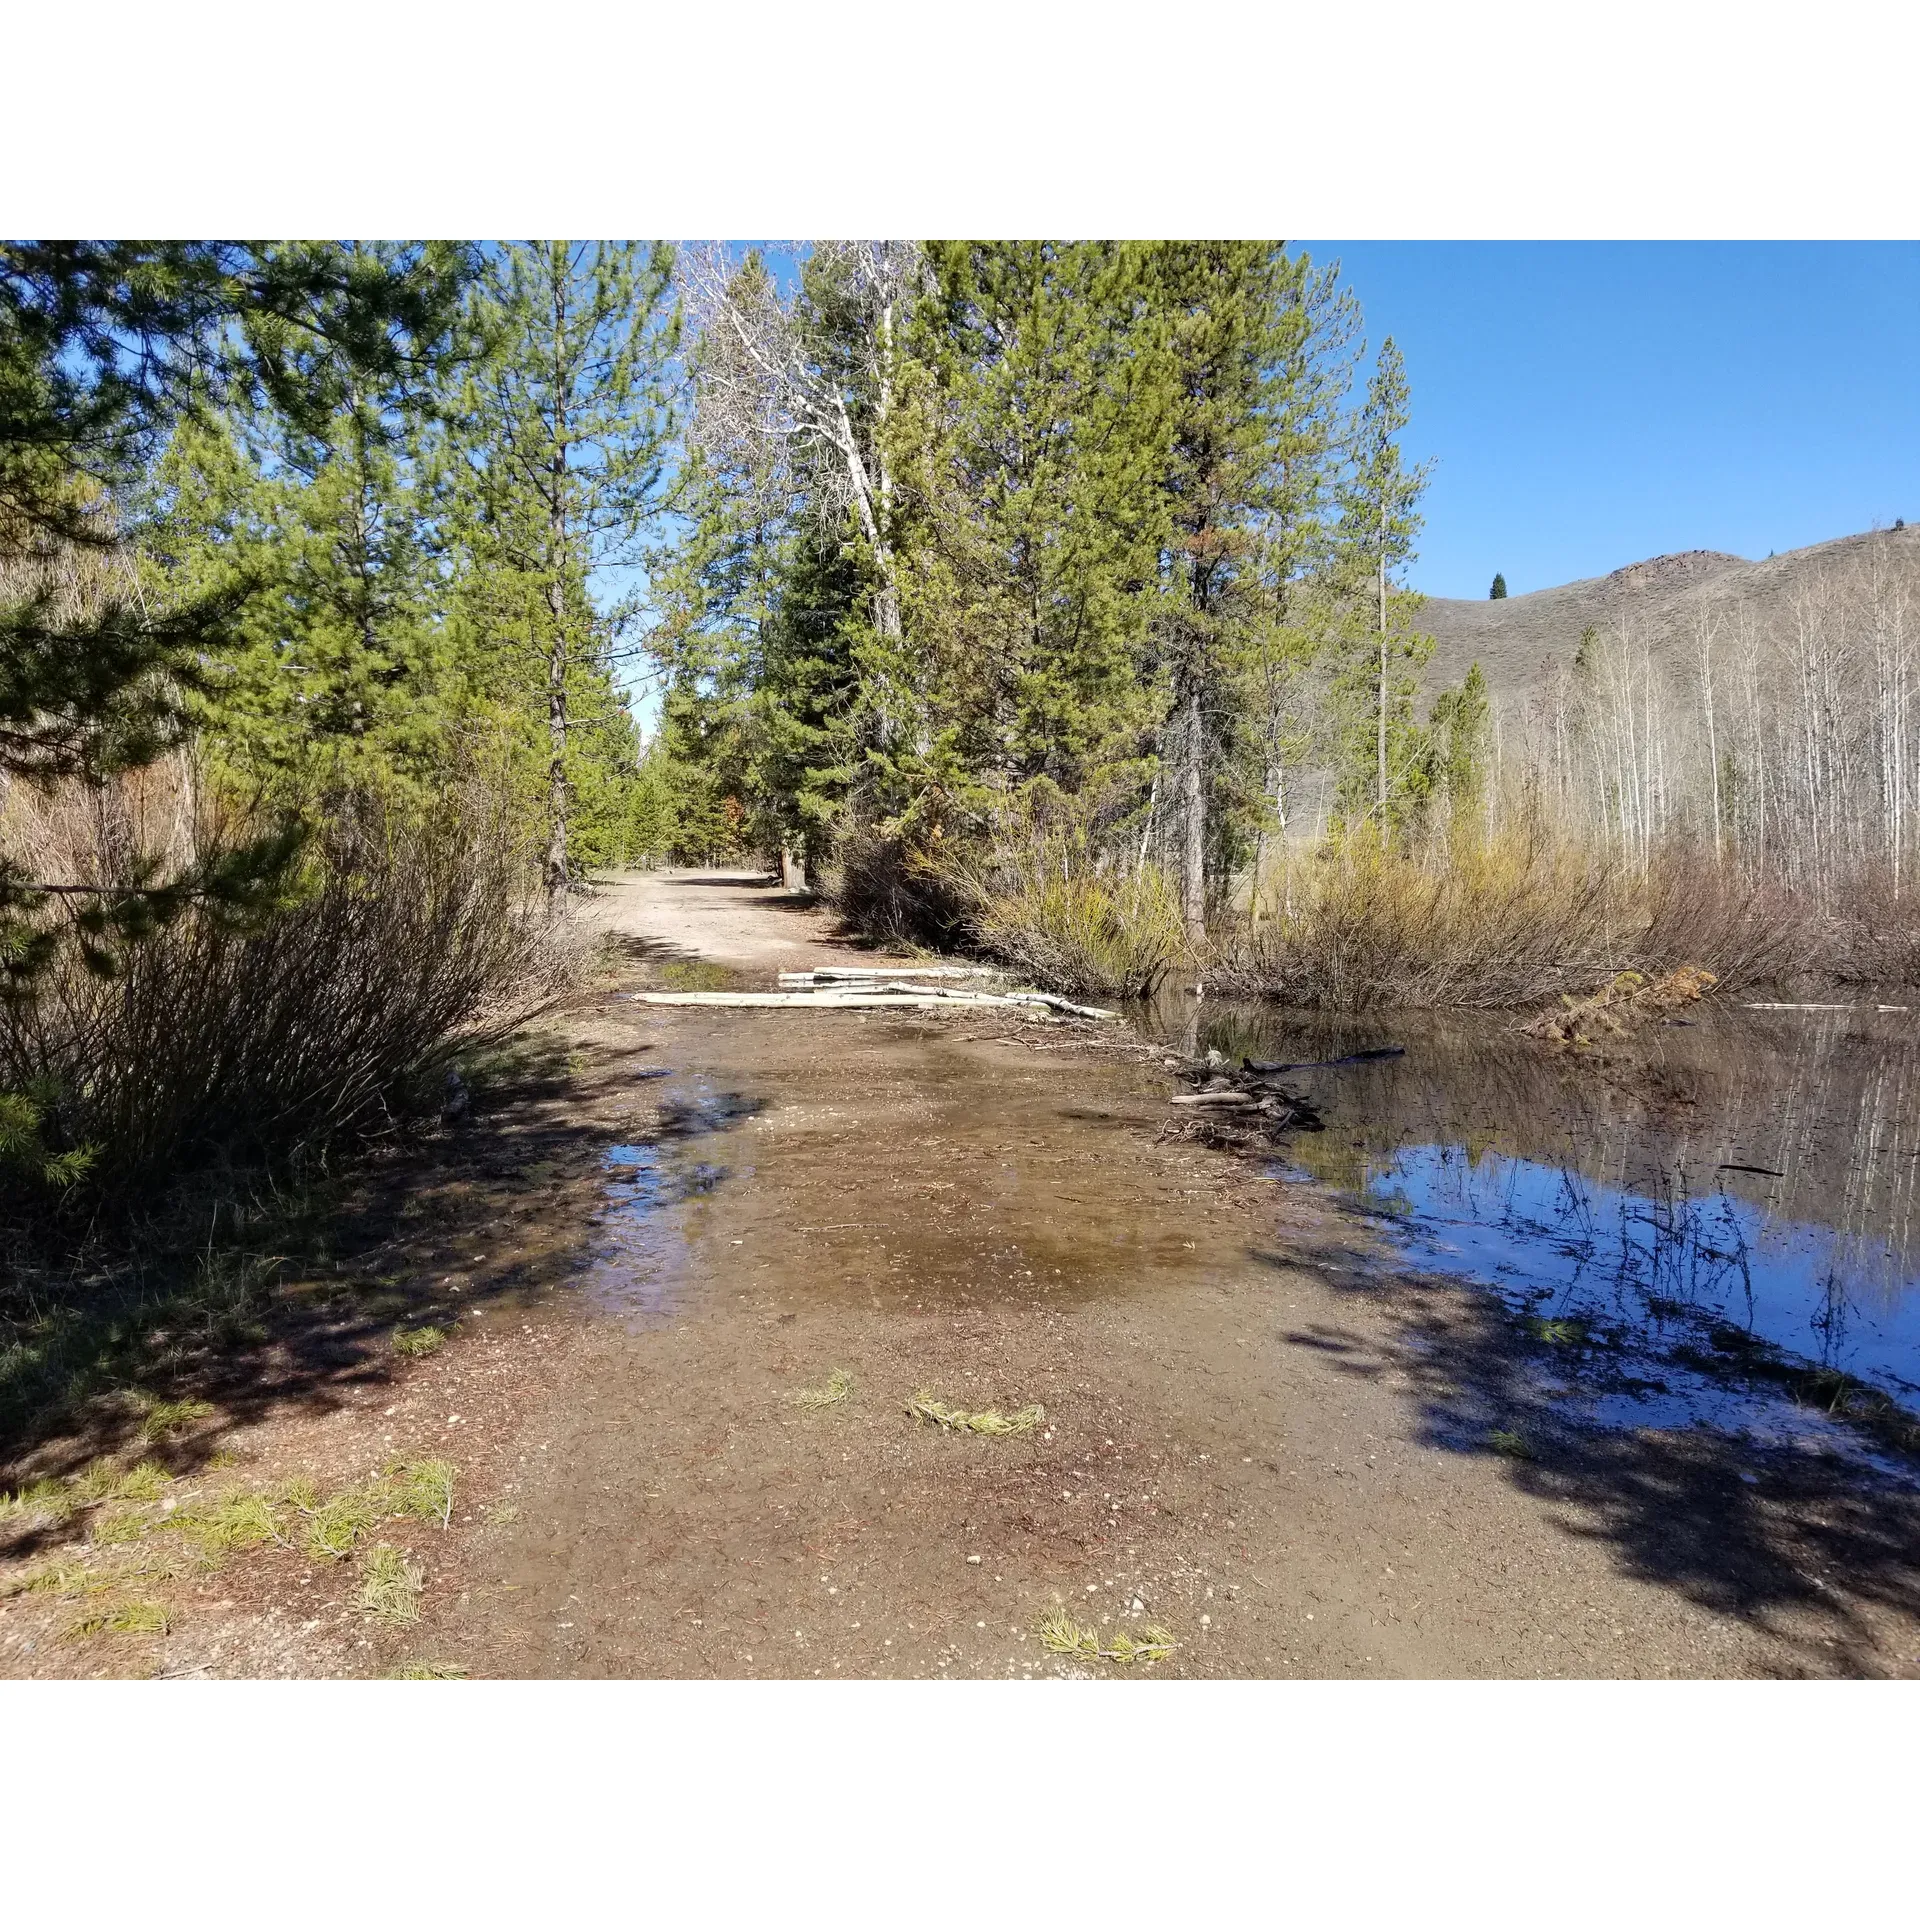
{"x":637,"y":1263}
{"x":1743,"y":1191}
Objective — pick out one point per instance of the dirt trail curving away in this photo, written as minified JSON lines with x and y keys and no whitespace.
{"x":1258,"y":1434}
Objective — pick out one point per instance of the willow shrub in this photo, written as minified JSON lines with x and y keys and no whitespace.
{"x":215,"y":1045}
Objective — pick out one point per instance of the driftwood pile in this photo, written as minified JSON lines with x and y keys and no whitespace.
{"x":1626,"y":1003}
{"x":1242,"y":1106}
{"x":827,"y":989}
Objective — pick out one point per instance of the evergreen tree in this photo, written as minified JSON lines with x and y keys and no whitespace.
{"x":1498,"y":591}
{"x":1379,"y":519}
{"x":1240,"y":327}
{"x":1034,"y":432}
{"x":1459,"y":727}
{"x":565,"y":443}
{"x":104,"y":347}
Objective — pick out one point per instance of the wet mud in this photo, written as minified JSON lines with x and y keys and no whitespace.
{"x":1270,"y":1427}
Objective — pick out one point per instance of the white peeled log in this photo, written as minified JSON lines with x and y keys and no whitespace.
{"x":900,"y":996}
{"x":1212,"y":1100}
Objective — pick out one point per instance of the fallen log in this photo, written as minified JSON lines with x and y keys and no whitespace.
{"x":1345,"y":1060}
{"x":1212,"y":1100}
{"x":823,"y":975}
{"x":901,"y":996}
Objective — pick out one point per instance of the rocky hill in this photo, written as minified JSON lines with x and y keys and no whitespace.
{"x":1519,"y":640}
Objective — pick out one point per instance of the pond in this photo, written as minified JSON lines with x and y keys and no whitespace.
{"x":1741,"y":1183}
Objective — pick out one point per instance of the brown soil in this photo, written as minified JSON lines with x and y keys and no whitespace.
{"x":1259,"y":1433}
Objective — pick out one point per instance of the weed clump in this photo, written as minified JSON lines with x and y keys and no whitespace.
{"x":167,"y":1417}
{"x":137,"y":1616}
{"x":391,"y":1588}
{"x":1510,"y":1443}
{"x":230,"y":1524}
{"x":934,"y":1413}
{"x":335,"y":1529}
{"x":423,"y":1489}
{"x":1059,"y":1633}
{"x":415,"y":1343}
{"x":839,"y":1384}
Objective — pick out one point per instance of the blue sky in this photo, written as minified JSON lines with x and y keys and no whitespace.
{"x":1592,"y":404}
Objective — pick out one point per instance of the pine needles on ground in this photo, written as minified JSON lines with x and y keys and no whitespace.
{"x":391,"y":1589}
{"x":415,"y":1343}
{"x":429,"y":1670}
{"x":924,"y":1407}
{"x":1060,"y":1633}
{"x":839,"y":1384}
{"x":227,"y":1525}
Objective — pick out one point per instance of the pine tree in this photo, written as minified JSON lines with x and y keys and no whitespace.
{"x":1238,"y":324}
{"x":1498,"y":591}
{"x":341,"y":674}
{"x":1034,"y":433}
{"x":1379,"y":519}
{"x":104,"y":347}
{"x":566,"y":439}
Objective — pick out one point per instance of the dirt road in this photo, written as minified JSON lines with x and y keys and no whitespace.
{"x":1258,"y":1433}
{"x":1248,"y":1439}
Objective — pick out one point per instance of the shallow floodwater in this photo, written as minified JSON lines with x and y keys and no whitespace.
{"x":1743,"y":1173}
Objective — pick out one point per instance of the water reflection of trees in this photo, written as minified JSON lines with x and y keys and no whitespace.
{"x":1637,"y":1173}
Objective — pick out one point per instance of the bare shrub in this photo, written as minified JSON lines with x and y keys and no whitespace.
{"x":893,"y":892}
{"x":1053,"y":915}
{"x":210,"y":1042}
{"x":1460,"y":923}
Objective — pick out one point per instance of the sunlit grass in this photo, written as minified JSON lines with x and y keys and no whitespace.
{"x":839,"y":1383}
{"x":135,"y":1616}
{"x":924,"y":1407}
{"x":391,"y":1587}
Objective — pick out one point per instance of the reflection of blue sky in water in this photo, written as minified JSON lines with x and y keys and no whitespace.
{"x":1574,"y":1248}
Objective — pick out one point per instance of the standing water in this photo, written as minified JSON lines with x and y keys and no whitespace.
{"x":1741,"y":1183}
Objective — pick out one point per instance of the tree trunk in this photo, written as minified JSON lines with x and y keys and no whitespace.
{"x":1193,"y":795}
{"x":1381,"y":703}
{"x":556,"y":860}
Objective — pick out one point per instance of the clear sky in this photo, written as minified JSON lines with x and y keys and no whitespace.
{"x":1592,"y":404}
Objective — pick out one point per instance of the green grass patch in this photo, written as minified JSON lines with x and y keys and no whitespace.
{"x":1060,"y":1633}
{"x":167,"y":1417}
{"x":839,"y":1383}
{"x":391,"y":1587}
{"x":422,"y":1489}
{"x":415,"y":1343}
{"x":230,"y":1524}
{"x":136,"y":1616}
{"x":935,"y":1413}
{"x":695,"y":976}
{"x":1510,"y":1443}
{"x":72,"y":1576}
{"x":335,"y":1529}
{"x":52,"y":1498}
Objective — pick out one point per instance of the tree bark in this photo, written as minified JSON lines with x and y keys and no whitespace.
{"x":1193,"y":863}
{"x":1381,"y":702}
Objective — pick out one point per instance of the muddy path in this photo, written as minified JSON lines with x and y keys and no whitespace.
{"x":1262,"y":1433}
{"x":1258,"y":1432}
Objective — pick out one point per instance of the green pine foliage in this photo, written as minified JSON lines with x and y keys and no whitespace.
{"x":1498,"y":591}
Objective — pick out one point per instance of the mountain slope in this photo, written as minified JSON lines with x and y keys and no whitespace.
{"x":1519,"y":641}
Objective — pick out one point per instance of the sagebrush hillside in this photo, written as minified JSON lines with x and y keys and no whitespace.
{"x":1518,"y":641}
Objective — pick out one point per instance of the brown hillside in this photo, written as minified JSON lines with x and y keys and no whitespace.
{"x":1519,"y":640}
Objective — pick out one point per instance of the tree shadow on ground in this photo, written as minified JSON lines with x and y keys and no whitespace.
{"x":303,"y":1309}
{"x":1813,"y":1549}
